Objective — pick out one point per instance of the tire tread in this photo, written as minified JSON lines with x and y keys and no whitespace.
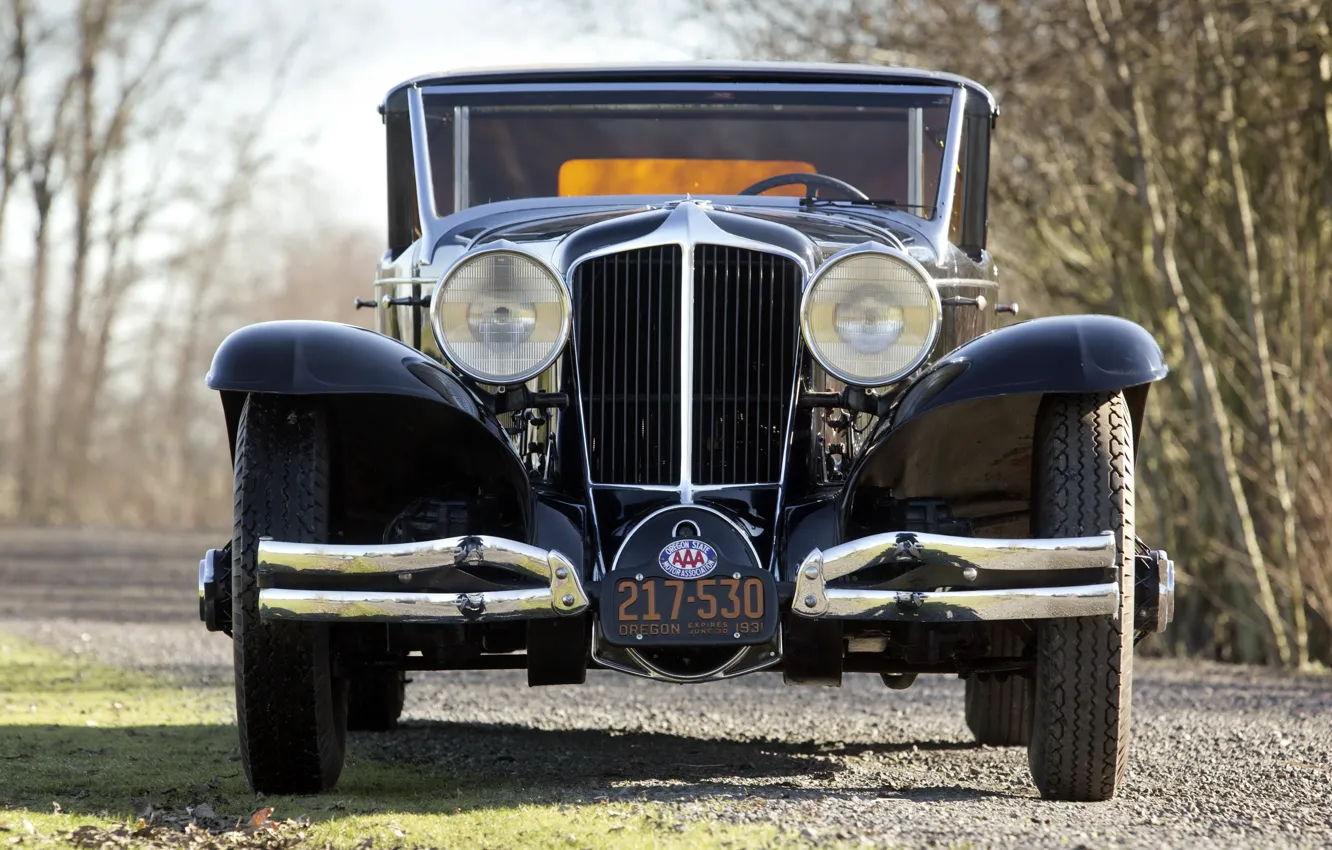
{"x":290,"y":712}
{"x":1083,"y":696}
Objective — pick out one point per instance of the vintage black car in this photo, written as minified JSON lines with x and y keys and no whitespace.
{"x":688,"y":372}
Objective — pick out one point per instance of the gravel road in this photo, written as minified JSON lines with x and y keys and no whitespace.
{"x":1223,"y":756}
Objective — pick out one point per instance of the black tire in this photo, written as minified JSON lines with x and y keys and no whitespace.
{"x":291,"y":712}
{"x":374,"y":700}
{"x":999,"y":711}
{"x":1083,"y":479}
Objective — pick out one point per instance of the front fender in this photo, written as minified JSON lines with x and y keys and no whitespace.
{"x":327,"y":358}
{"x":1059,"y":354}
{"x":962,"y":431}
{"x":403,"y":424}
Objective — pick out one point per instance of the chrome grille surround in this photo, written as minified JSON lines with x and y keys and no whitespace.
{"x":689,"y":228}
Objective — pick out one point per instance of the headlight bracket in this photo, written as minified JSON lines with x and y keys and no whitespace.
{"x":509,"y":399}
{"x":857,"y":399}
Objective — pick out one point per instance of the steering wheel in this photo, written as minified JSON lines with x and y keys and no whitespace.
{"x":811,"y":182}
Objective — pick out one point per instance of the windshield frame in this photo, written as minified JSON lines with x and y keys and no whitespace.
{"x":935,"y":228}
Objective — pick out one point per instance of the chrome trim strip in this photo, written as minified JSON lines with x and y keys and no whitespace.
{"x":686,"y":361}
{"x":425,"y":183}
{"x":943,"y":208}
{"x":598,"y":568}
{"x":461,"y":157}
{"x":966,"y":606}
{"x":362,"y":606}
{"x":916,"y":159}
{"x":779,"y":513}
{"x":941,"y":87}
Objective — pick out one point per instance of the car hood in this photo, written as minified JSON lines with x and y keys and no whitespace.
{"x":565,"y":229}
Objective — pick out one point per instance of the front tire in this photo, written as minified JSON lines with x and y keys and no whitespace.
{"x":291,"y":712}
{"x":1083,"y":485}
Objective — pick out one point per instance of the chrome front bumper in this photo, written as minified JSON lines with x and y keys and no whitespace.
{"x":966,"y":560}
{"x":560,"y":592}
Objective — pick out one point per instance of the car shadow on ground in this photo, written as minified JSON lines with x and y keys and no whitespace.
{"x":667,"y":767}
{"x":429,"y":768}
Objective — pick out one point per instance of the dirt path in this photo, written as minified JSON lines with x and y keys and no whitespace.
{"x":1227,"y":756}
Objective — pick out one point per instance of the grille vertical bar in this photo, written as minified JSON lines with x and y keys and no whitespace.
{"x":746,"y":349}
{"x":627,"y":337}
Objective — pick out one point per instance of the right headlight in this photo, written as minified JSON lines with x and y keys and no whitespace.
{"x":870,"y":316}
{"x":500,"y":316}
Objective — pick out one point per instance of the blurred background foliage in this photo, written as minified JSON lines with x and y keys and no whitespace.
{"x":1165,"y":160}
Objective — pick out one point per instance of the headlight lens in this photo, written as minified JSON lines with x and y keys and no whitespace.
{"x":500,"y":316}
{"x":871,"y":317}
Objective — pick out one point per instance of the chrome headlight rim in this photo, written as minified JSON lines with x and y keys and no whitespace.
{"x":856,"y":252}
{"x":566,"y":316}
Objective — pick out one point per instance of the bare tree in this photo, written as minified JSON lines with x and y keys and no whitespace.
{"x":13,"y":88}
{"x":43,"y":158}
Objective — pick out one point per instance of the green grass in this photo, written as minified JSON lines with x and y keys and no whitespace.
{"x":86,"y":745}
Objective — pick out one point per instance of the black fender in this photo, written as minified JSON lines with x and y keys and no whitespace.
{"x":962,"y":430}
{"x":327,"y":358}
{"x":402,"y":422}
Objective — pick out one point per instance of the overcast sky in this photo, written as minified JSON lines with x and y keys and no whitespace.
{"x":331,"y":113}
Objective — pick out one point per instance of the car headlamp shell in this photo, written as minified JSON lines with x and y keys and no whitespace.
{"x":870,"y":316}
{"x":500,"y":316}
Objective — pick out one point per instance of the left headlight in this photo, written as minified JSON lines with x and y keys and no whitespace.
{"x":870,"y":316}
{"x":500,"y":316}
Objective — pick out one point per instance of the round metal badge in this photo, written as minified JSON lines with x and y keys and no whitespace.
{"x":688,"y":559}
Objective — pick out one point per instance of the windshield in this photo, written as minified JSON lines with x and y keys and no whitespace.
{"x":512,"y":143}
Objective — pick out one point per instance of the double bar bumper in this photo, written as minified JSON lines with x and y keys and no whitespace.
{"x":953,"y":562}
{"x":938,"y":560}
{"x":560,"y":592}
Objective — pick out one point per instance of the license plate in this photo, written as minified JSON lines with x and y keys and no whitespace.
{"x":649,"y":608}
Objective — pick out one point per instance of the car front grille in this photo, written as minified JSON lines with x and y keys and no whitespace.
{"x":627,"y":332}
{"x":629,"y":339}
{"x":745,"y":331}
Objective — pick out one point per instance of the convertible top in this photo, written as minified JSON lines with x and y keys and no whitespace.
{"x":695,"y":72}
